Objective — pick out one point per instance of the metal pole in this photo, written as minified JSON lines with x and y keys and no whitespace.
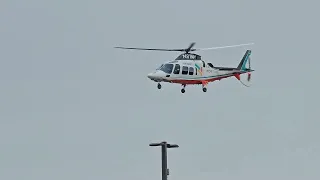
{"x":164,"y":161}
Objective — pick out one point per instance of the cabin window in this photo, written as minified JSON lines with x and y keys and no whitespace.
{"x":191,"y":70}
{"x":167,"y":68}
{"x":176,"y":69}
{"x":204,"y":64}
{"x":184,"y":70}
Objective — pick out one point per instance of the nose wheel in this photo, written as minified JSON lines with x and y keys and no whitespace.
{"x":159,"y":86}
{"x":183,"y":88}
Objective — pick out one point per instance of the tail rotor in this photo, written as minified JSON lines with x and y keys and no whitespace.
{"x":248,"y":71}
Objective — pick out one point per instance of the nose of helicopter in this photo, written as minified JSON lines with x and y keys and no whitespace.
{"x":155,"y":75}
{"x":152,"y":75}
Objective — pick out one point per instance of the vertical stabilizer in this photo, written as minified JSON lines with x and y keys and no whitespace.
{"x":244,"y":60}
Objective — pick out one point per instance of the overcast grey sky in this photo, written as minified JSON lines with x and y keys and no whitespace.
{"x":72,"y":107}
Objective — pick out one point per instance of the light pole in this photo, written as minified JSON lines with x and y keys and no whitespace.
{"x":164,"y":145}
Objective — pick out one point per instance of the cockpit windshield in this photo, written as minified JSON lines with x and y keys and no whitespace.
{"x":159,"y":67}
{"x":167,"y":68}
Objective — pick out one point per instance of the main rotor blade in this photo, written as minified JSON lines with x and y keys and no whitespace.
{"x":150,"y":49}
{"x":190,"y":47}
{"x":202,"y":49}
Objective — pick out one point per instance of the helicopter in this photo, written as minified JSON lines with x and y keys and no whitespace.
{"x":190,"y":69}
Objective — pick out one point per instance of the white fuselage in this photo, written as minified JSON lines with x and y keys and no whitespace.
{"x":188,"y":72}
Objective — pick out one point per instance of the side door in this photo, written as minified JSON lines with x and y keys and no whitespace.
{"x":185,"y":70}
{"x":176,"y":70}
{"x":192,"y":71}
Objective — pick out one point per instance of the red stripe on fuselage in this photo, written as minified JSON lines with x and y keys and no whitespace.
{"x":198,"y":81}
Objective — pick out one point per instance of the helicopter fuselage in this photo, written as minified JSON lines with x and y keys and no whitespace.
{"x":190,"y":72}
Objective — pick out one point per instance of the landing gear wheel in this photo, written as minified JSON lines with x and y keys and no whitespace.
{"x":159,"y":86}
{"x":204,"y":89}
{"x":183,"y":86}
